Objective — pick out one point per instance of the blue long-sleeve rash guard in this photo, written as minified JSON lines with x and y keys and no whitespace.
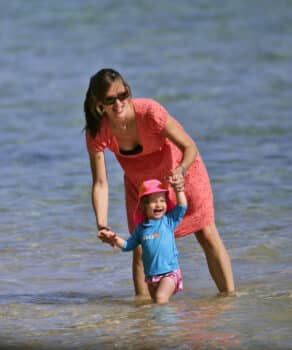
{"x":159,"y":252}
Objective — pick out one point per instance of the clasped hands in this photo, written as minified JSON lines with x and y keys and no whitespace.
{"x":176,"y":179}
{"x":106,"y":235}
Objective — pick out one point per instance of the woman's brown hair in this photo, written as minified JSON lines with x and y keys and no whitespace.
{"x":99,"y":84}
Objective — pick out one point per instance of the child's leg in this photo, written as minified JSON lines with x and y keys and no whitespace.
{"x":165,"y":290}
{"x":152,"y":287}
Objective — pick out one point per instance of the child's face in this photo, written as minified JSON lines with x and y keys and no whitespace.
{"x":155,"y":206}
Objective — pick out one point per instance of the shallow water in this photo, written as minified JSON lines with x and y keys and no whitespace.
{"x":223,"y":71}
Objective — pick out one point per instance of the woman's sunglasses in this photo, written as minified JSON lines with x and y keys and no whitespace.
{"x":110,"y":100}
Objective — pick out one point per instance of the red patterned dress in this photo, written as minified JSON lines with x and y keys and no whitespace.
{"x":158,"y":156}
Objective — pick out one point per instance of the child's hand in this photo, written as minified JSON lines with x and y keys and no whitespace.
{"x":107,"y":236}
{"x":176,"y":180}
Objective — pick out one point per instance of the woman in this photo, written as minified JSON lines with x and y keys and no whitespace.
{"x":149,"y":143}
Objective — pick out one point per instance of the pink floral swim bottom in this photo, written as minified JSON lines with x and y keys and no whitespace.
{"x":176,"y":275}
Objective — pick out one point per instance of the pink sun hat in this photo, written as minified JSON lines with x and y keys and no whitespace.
{"x":146,"y":188}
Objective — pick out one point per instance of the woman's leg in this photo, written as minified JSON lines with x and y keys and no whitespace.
{"x":141,"y":288}
{"x":217,"y":258}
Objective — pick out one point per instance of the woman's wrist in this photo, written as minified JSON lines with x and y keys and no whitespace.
{"x":102,"y":227}
{"x":183,"y":169}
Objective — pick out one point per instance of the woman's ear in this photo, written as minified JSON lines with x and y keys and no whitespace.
{"x":99,"y":109}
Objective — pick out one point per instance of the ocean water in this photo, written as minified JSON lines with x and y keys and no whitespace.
{"x":223,"y":69}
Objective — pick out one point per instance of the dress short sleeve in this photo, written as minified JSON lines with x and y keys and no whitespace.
{"x":97,"y":143}
{"x":152,"y":112}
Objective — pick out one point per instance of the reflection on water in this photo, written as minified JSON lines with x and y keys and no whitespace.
{"x":73,"y":320}
{"x":123,"y":323}
{"x":70,"y":319}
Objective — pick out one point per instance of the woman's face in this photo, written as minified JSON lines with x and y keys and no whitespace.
{"x":116,"y":102}
{"x":156,"y":205}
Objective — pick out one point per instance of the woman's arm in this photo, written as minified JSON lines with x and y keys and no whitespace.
{"x":184,"y":142}
{"x":99,"y":193}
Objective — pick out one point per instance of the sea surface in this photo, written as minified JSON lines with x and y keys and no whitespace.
{"x":224,"y":70}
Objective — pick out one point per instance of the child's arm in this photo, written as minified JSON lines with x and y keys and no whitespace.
{"x":178,"y":187}
{"x":112,"y":238}
{"x":119,"y":241}
{"x":180,"y":197}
